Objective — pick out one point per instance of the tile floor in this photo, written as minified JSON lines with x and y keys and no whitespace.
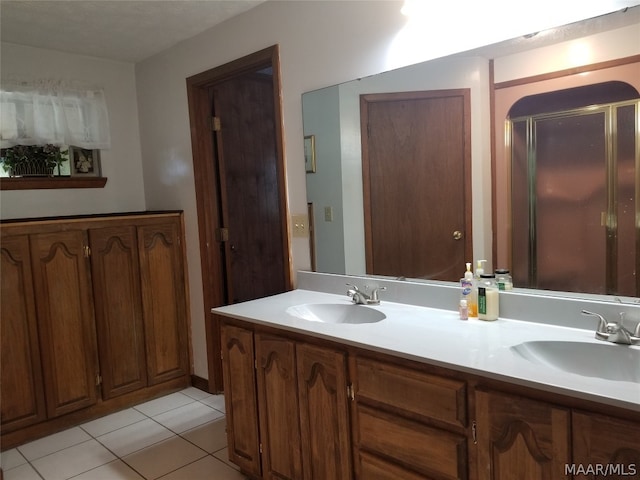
{"x":176,"y":437}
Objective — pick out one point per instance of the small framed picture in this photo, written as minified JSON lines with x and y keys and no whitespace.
{"x":84,"y":162}
{"x":310,"y":153}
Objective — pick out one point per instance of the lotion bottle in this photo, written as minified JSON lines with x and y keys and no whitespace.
{"x":488,"y":298}
{"x":469,"y":292}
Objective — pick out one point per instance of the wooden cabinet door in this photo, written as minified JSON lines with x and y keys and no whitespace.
{"x":164,"y":301}
{"x":521,"y":438}
{"x":66,"y":323}
{"x":324,"y":413}
{"x":118,"y":309}
{"x":278,"y":407}
{"x":238,"y":372}
{"x":21,"y":390}
{"x":605,"y":447}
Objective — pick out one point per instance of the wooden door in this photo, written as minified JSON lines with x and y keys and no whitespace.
{"x":416,"y":160}
{"x":609,"y":444}
{"x":238,"y":367}
{"x":278,"y":407}
{"x":66,"y":322}
{"x":324,"y":413}
{"x":164,"y":301}
{"x":118,"y":308}
{"x":521,"y":438}
{"x":249,"y":186}
{"x":21,"y":390}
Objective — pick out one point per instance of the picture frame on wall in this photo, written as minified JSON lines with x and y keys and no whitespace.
{"x":310,"y":153}
{"x":84,"y":162}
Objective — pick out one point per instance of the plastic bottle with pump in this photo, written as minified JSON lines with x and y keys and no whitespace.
{"x":479,"y":269}
{"x":469,"y":292}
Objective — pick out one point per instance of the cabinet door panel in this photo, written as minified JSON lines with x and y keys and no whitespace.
{"x":278,"y":401}
{"x":607,"y":443}
{"x":66,"y":323}
{"x":22,"y":395}
{"x":374,"y":468}
{"x":324,"y":413}
{"x":118,"y":305}
{"x":240,"y":398}
{"x":521,"y":438}
{"x":164,"y":301}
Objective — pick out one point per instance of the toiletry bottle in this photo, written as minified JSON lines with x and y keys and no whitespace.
{"x":503,"y":279}
{"x":479,"y":269}
{"x":469,"y":292}
{"x":488,"y":298}
{"x":464,"y":310}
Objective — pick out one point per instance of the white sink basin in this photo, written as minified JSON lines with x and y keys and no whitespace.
{"x":601,"y":360}
{"x":336,"y":313}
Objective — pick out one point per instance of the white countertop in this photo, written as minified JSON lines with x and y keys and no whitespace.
{"x":439,"y":337}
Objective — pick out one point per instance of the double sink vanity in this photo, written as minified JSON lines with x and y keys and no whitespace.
{"x":320,"y":387}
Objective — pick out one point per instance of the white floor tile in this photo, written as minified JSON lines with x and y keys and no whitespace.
{"x":73,"y":460}
{"x":116,"y":470}
{"x":53,"y":443}
{"x":215,"y":401}
{"x":113,"y":422}
{"x":207,"y":468}
{"x":164,"y":457}
{"x":11,"y":459}
{"x":164,"y":404}
{"x":187,"y":417}
{"x":22,"y":472}
{"x":134,"y":437}
{"x":210,"y":437}
{"x":195,"y":393}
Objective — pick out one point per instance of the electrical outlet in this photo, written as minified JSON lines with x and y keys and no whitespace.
{"x":300,"y":225}
{"x":328,"y":214}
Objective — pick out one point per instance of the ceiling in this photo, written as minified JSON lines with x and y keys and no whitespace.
{"x":123,"y":30}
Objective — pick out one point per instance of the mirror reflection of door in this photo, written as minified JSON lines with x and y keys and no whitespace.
{"x":417,"y":183}
{"x":574,"y":197}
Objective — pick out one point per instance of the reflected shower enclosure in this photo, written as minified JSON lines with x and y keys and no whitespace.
{"x":574,"y":190}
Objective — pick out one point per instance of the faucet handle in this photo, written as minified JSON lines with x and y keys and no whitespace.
{"x":374,"y":299}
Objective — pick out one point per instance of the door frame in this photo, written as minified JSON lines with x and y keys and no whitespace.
{"x":207,"y":190}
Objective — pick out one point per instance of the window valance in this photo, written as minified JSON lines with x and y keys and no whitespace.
{"x":51,"y":113}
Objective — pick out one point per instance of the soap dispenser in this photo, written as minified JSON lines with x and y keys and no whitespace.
{"x":469,"y":292}
{"x":479,"y":269}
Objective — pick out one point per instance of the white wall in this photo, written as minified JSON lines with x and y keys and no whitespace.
{"x":122,"y":163}
{"x":322,"y":43}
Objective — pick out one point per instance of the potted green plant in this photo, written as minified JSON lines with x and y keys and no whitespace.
{"x":33,"y":160}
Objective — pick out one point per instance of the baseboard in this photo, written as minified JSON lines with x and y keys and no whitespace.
{"x":200,"y":383}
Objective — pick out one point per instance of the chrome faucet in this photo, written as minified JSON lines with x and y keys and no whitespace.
{"x":361,"y":298}
{"x":615,"y":332}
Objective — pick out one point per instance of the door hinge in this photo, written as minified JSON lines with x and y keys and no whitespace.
{"x":221,"y":355}
{"x":260,"y":448}
{"x":474,"y":432}
{"x":87,"y":251}
{"x":350,"y":392}
{"x":98,"y":380}
{"x":255,"y":363}
{"x":215,"y":124}
{"x":223,"y":234}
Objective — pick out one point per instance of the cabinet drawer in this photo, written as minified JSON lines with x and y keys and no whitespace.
{"x":431,"y":396}
{"x":428,"y":450}
{"x":374,"y":468}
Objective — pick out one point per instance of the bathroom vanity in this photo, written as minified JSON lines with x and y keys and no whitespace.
{"x":421,"y":394}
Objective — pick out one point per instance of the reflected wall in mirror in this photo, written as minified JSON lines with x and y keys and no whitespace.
{"x":532,"y":65}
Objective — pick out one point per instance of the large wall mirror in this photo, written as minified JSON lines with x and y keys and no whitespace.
{"x":421,"y":169}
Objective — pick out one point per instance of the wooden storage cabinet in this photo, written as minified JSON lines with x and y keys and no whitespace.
{"x":287,"y":406}
{"x":409,"y":421}
{"x":93,"y":309}
{"x":521,"y":438}
{"x":22,"y":393}
{"x":608,"y":444}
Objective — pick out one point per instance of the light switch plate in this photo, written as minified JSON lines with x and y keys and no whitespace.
{"x":328,"y":214}
{"x":300,"y":224}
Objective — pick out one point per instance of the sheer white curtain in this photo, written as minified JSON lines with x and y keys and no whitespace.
{"x":37,"y":114}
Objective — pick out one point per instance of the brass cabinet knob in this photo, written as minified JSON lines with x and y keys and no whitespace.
{"x":457,"y":235}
